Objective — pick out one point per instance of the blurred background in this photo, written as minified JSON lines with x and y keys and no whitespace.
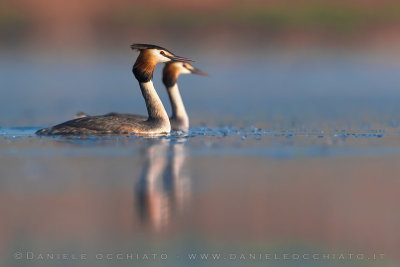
{"x":227,"y":25}
{"x":339,"y":56}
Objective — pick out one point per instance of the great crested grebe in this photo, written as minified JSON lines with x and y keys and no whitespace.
{"x":157,"y":121}
{"x":179,"y":119}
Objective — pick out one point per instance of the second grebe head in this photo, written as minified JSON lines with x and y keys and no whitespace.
{"x":173,"y":69}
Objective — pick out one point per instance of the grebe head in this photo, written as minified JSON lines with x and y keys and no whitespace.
{"x":173,"y":69}
{"x":148,"y":58}
{"x":157,"y":54}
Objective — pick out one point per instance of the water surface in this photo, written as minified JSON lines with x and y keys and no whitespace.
{"x":292,"y":155}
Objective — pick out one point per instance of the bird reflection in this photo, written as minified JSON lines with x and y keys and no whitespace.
{"x":163,"y":190}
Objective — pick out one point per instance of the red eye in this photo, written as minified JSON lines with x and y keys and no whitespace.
{"x":162,"y":53}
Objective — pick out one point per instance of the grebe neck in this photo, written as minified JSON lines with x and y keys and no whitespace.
{"x":154,"y":106}
{"x":178,"y":108}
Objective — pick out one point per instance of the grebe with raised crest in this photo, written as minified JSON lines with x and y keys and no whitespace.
{"x":157,"y":121}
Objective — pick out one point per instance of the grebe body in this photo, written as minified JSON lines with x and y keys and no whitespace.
{"x":157,"y":121}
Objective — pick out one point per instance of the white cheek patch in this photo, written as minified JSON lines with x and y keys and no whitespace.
{"x":185,"y":71}
{"x":164,"y":59}
{"x":158,"y":56}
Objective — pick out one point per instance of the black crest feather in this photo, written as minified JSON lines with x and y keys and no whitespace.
{"x":147,"y":46}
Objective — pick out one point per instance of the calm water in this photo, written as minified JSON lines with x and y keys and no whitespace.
{"x":298,"y":156}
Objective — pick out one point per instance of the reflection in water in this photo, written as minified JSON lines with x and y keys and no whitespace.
{"x":305,"y":193}
{"x":162,"y":189}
